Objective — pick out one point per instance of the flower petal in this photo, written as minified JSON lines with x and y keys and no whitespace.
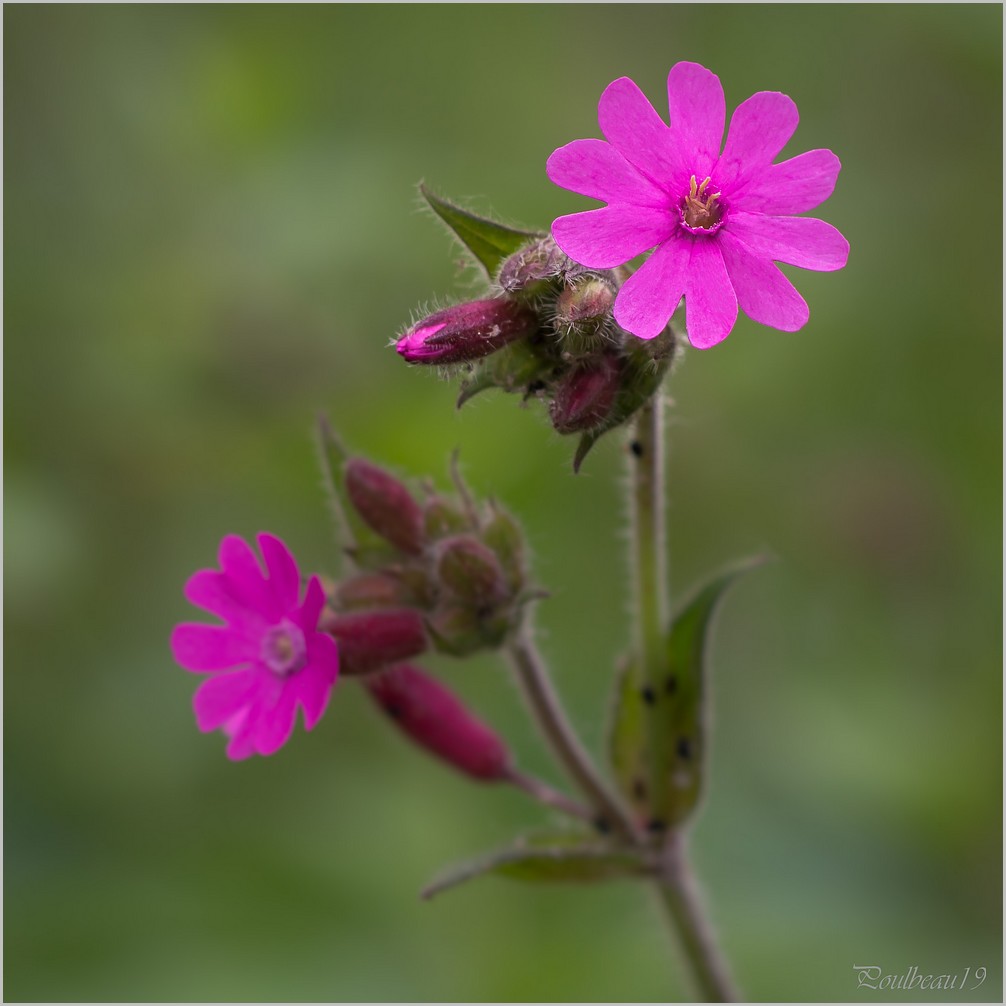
{"x":212,"y":591}
{"x":710,"y":301}
{"x":698,"y":113}
{"x":239,"y":564}
{"x":203,"y":648}
{"x":596,"y":169}
{"x":284,"y":578}
{"x":759,"y":128}
{"x":275,"y":725}
{"x":604,"y":238}
{"x":794,"y":186}
{"x":649,"y":297}
{"x":242,"y":743}
{"x":636,"y":131}
{"x":314,"y":684}
{"x":314,"y":601}
{"x":223,"y":697}
{"x":763,"y":292}
{"x":801,"y":241}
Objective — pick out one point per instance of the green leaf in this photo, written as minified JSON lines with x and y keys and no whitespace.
{"x":355,"y":539}
{"x":487,"y":240}
{"x":657,"y":743}
{"x":550,"y":858}
{"x":681,"y":697}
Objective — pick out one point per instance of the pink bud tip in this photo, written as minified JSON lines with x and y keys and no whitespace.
{"x":466,"y":332}
{"x":435,"y":719}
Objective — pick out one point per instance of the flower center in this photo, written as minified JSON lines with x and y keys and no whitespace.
{"x":701,"y":211}
{"x":283,"y":649}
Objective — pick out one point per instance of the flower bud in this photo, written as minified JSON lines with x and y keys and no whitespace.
{"x":385,"y":505}
{"x":527,"y":269}
{"x":440,"y":518}
{"x":370,"y":640}
{"x":584,"y":397}
{"x":371,"y":590}
{"x":471,"y":571}
{"x":503,"y":535}
{"x":466,"y":332}
{"x":435,"y":719}
{"x":590,"y":300}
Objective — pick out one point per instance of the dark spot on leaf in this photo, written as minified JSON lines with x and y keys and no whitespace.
{"x":649,"y":696}
{"x":637,"y":448}
{"x":535,"y":386}
{"x":684,"y":748}
{"x":602,"y":825}
{"x":656,"y":825}
{"x":671,"y":684}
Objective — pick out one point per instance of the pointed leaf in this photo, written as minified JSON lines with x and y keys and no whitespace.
{"x":356,"y":540}
{"x":487,"y":240}
{"x":679,"y":703}
{"x":556,"y":858}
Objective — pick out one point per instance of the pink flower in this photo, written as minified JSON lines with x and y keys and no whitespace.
{"x":718,"y":221}
{"x":269,"y":657}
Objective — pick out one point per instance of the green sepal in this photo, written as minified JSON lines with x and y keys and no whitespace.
{"x":657,"y":743}
{"x":488,"y":241}
{"x":548,"y":858}
{"x":643,"y":369}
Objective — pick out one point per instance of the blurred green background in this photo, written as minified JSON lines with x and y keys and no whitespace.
{"x":212,"y":233}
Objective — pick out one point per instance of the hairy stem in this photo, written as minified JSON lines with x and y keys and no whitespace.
{"x":544,"y":703}
{"x":548,"y":796}
{"x":675,"y":882}
{"x":680,"y":895}
{"x":649,"y":557}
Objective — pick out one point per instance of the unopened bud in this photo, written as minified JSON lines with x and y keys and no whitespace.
{"x":471,"y":571}
{"x":588,"y":301}
{"x":460,"y":630}
{"x":503,"y":535}
{"x":440,"y":518}
{"x":530,"y":267}
{"x":584,"y":397}
{"x":370,"y":640}
{"x":371,"y":590}
{"x":435,"y":719}
{"x":467,"y":332}
{"x":385,"y":505}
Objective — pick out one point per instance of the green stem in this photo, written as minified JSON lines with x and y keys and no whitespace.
{"x":547,"y":709}
{"x":675,"y":881}
{"x":680,"y":895}
{"x":649,"y":554}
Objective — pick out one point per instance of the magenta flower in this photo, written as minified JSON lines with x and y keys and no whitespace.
{"x":718,"y":221}
{"x":269,"y":657}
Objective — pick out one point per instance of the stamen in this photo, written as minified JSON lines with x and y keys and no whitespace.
{"x":699,"y":212}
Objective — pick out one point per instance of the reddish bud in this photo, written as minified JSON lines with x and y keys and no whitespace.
{"x":370,"y":640}
{"x":371,"y":590}
{"x":385,"y":505}
{"x":584,"y":397}
{"x":436,"y":720}
{"x":466,"y":332}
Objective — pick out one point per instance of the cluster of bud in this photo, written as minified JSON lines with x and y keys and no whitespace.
{"x":438,"y":573}
{"x":548,"y":333}
{"x":430,"y":572}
